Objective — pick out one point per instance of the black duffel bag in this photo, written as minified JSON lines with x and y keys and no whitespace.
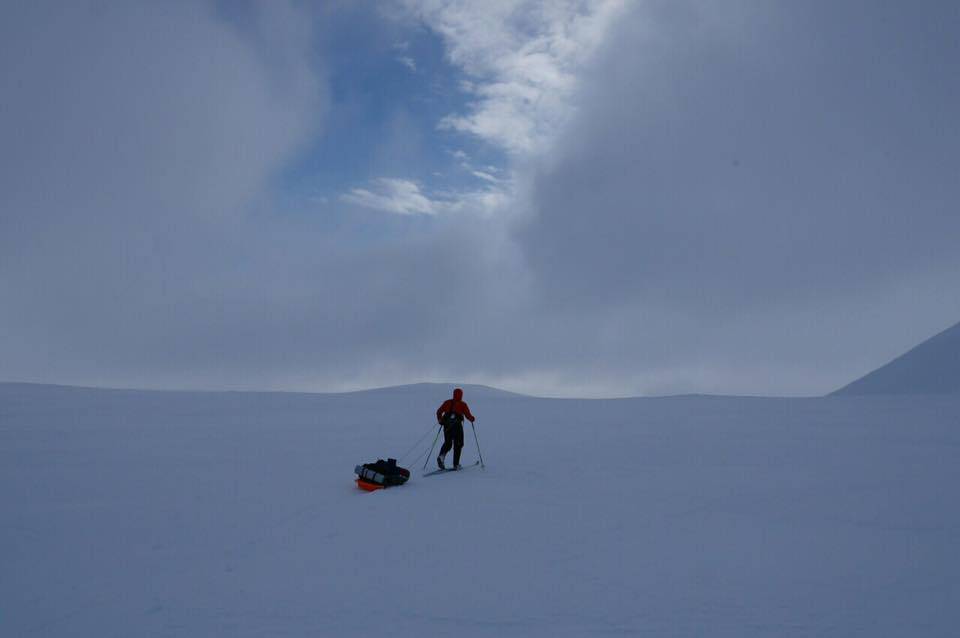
{"x":382,"y":472}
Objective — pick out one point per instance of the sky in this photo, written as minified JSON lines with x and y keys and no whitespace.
{"x":565,"y":198}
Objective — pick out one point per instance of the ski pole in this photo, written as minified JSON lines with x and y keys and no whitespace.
{"x":432,"y":445}
{"x":479,"y":453}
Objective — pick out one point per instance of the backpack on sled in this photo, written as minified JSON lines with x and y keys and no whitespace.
{"x":376,"y":476}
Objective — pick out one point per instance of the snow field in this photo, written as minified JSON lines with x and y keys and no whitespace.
{"x":235,"y":514}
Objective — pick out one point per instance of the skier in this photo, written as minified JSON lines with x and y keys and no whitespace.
{"x":450,"y":415}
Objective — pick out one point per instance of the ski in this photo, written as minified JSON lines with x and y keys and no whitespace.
{"x":450,"y":469}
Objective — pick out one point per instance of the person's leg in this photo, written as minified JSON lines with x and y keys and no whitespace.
{"x":457,"y":443}
{"x":448,"y":440}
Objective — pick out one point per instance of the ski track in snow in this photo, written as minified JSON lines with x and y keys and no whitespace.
{"x":130,"y":513}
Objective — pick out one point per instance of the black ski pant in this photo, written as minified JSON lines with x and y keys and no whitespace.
{"x":453,"y":437}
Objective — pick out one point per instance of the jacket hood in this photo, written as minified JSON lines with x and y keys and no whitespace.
{"x":457,"y":394}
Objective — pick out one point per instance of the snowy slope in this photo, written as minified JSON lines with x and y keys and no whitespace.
{"x":232,"y":514}
{"x":933,"y":367}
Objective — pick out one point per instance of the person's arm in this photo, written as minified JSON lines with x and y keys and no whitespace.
{"x":440,"y":412}
{"x":466,"y":413}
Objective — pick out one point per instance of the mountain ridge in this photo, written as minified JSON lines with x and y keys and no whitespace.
{"x":931,"y":367}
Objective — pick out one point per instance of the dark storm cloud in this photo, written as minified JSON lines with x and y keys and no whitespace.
{"x":793,"y":149}
{"x":134,"y":137}
{"x":765,"y":177}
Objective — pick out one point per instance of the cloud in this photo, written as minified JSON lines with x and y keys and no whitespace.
{"x":408,"y":62}
{"x":136,"y":142}
{"x":112,"y":111}
{"x":404,"y":197}
{"x":523,"y":59}
{"x":754,"y":188}
{"x":399,"y":196}
{"x":485,"y":176}
{"x":748,"y":198}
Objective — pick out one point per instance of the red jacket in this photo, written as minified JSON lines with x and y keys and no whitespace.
{"x":455,"y":405}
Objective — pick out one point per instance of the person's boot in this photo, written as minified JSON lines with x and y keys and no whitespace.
{"x":440,"y":463}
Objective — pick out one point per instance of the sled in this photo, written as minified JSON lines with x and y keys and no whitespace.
{"x":368,"y":486}
{"x":375,"y":476}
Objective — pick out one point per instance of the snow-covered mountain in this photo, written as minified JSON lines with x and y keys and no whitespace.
{"x":131,"y":513}
{"x":933,"y":367}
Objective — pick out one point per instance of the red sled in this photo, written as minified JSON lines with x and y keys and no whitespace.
{"x":369,"y":486}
